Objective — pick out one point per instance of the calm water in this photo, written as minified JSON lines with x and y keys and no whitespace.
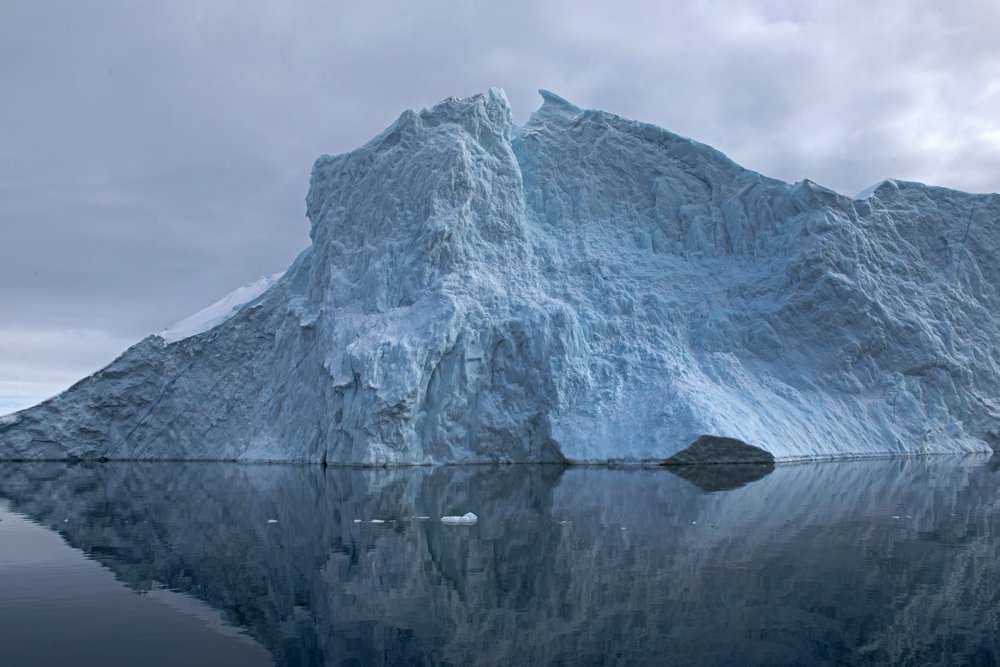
{"x":874,"y":562}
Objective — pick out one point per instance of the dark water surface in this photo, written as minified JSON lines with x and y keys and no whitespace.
{"x":868,"y":562}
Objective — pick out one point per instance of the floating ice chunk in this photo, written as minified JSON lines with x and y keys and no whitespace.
{"x":377,"y":521}
{"x":357,"y":521}
{"x":421,"y":518}
{"x":272,"y":521}
{"x":466,"y":519}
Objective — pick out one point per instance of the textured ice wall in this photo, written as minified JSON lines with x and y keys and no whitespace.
{"x":584,"y":288}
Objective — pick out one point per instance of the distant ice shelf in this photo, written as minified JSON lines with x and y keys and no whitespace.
{"x":583,"y":289}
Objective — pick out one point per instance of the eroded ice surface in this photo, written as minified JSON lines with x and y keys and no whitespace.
{"x":584,"y":288}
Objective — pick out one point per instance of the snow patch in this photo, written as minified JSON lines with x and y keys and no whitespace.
{"x":220,"y":311}
{"x":870,"y":190}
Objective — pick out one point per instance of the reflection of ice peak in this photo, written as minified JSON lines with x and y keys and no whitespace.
{"x":552,"y":557}
{"x":585,"y":288}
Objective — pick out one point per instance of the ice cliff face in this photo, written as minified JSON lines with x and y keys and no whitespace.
{"x":584,"y":288}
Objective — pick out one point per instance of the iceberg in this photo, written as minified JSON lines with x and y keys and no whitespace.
{"x":583,"y":289}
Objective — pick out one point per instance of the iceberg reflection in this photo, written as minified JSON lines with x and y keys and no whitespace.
{"x":876,"y":561}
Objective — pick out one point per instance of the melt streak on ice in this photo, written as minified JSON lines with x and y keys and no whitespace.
{"x":585,"y":288}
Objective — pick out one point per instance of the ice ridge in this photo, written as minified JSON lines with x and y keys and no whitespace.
{"x":585,"y":288}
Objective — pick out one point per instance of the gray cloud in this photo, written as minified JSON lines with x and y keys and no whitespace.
{"x":156,"y":154}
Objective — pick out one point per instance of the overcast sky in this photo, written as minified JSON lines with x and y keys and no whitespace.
{"x":155,"y":154}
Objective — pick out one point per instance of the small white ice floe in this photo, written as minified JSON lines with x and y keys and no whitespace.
{"x":272,"y":521}
{"x":895,"y":516}
{"x":563,"y":523}
{"x":357,"y":521}
{"x":466,"y":519}
{"x":421,"y":518}
{"x":377,"y":521}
